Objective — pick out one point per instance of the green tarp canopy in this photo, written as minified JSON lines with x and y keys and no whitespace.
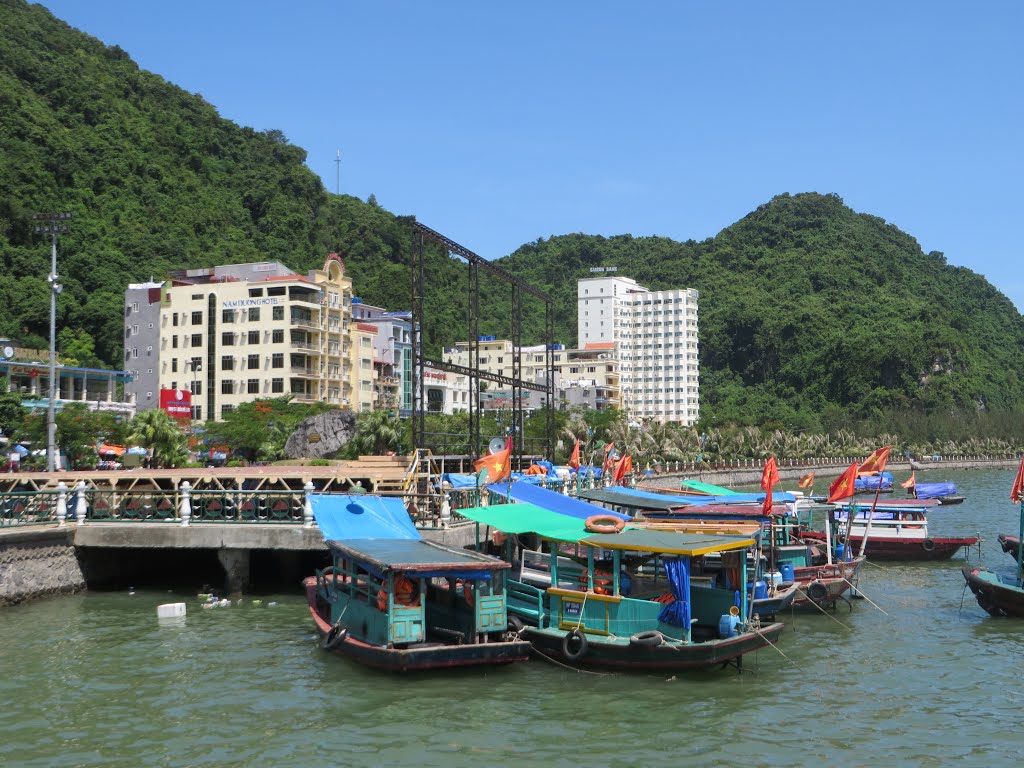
{"x":528,"y":518}
{"x":707,"y":488}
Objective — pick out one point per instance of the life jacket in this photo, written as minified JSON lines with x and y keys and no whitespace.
{"x":602,"y":581}
{"x":405,"y":594}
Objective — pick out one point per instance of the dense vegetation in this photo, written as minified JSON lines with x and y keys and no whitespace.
{"x":813,"y":316}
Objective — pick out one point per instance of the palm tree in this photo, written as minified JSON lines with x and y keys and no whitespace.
{"x":160,"y":435}
{"x":377,"y":433}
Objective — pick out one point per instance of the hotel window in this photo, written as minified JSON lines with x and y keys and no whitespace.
{"x":278,"y":313}
{"x":197,"y":318}
{"x":254,"y":336}
{"x":254,"y":362}
{"x":227,"y":387}
{"x":197,"y":339}
{"x":227,"y":316}
{"x":277,"y":385}
{"x":278,"y":336}
{"x":174,"y":318}
{"x":253,"y":386}
{"x":196,"y":387}
{"x":225,"y":410}
{"x":255,"y":292}
{"x":254,"y":314}
{"x":174,"y":342}
{"x":227,"y":363}
{"x":174,"y":368}
{"x":197,"y":297}
{"x":277,"y":360}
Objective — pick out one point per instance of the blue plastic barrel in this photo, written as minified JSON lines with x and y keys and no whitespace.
{"x":840,"y":552}
{"x":788,"y":573}
{"x":727,"y":625}
{"x":759,"y":588}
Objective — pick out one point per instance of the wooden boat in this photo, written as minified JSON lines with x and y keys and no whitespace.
{"x":944,"y":492}
{"x":897,"y":531}
{"x":625,"y":600}
{"x":403,"y":603}
{"x":1009,"y":544}
{"x":997,"y":595}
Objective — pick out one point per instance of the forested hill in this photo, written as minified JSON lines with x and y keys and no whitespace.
{"x":155,"y":180}
{"x":807,"y":307}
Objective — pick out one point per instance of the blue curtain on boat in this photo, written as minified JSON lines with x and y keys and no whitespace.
{"x":677,"y":613}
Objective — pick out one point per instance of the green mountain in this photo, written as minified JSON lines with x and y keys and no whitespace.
{"x":808,"y":309}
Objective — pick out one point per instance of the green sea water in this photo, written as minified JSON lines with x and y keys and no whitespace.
{"x":923,"y":679}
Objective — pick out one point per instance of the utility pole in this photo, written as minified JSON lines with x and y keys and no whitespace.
{"x":337,"y":163}
{"x":52,"y":224}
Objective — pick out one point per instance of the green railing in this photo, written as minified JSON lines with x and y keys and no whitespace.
{"x":21,"y":508}
{"x":248,"y":506}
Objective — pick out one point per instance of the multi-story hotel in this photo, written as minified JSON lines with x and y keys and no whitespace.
{"x":235,"y":333}
{"x":392,"y":355}
{"x":654,"y":334}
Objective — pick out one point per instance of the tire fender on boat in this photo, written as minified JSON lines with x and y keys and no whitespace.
{"x":817,"y":591}
{"x":652,"y":638}
{"x":577,"y":637}
{"x":515,"y":624}
{"x":335,"y":636}
{"x":928,"y":545}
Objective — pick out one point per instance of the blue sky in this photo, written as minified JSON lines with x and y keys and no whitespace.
{"x":497,"y":124}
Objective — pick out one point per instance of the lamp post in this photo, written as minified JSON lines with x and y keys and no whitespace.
{"x":195,"y":365}
{"x":52,"y":224}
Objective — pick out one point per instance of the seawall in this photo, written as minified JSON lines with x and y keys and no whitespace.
{"x":36,"y":563}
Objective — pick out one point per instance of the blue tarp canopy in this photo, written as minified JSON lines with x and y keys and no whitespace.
{"x":871,"y":482}
{"x":545,"y":499}
{"x":934,"y":490}
{"x":459,"y":480}
{"x":687,"y":500}
{"x":343,"y":517}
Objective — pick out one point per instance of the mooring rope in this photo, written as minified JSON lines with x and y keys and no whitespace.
{"x":574,"y":669}
{"x":861,"y":592}
{"x":837,"y":621}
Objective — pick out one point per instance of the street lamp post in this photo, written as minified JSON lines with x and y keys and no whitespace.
{"x":195,"y":365}
{"x":52,"y":224}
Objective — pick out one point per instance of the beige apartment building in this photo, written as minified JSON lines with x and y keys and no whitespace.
{"x":241,"y":332}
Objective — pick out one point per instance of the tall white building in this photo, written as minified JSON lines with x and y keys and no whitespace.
{"x":655,"y":338}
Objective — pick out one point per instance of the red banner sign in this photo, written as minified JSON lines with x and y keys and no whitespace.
{"x":177,"y":403}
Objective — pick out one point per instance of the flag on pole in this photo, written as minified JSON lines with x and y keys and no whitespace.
{"x":622,"y":468}
{"x":911,"y":482}
{"x":875,"y":463}
{"x":498,"y":465}
{"x":769,"y":477}
{"x":807,"y":481}
{"x":574,"y":460}
{"x":843,"y":486}
{"x":1017,"y":492}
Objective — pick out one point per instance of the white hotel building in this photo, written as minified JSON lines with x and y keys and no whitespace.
{"x":655,"y":337}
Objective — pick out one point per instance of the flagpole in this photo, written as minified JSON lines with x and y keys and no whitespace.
{"x":871,"y":514}
{"x":1020,"y":543}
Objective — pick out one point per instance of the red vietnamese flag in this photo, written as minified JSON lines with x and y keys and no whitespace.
{"x":498,"y":465}
{"x":911,"y":482}
{"x":875,"y":463}
{"x":843,"y":487}
{"x":1017,"y":492}
{"x":609,"y":462}
{"x":807,"y":481}
{"x":622,"y":468}
{"x":769,"y":478}
{"x":574,"y":460}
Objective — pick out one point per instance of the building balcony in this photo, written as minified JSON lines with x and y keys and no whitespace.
{"x":302,"y":397}
{"x":305,"y":371}
{"x":305,"y":345}
{"x":302,"y":322}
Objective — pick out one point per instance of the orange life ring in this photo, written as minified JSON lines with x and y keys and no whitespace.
{"x":604,"y":524}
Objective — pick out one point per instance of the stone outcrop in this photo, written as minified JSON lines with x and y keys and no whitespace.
{"x":321,"y":436}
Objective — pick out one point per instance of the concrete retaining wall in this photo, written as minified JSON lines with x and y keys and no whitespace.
{"x":35,"y":563}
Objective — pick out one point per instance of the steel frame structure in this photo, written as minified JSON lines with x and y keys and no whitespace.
{"x":472,"y":372}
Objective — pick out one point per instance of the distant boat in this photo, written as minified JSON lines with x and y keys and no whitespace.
{"x":944,"y":492}
{"x":899,"y":531}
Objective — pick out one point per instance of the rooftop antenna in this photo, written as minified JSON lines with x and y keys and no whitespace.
{"x":337,"y":163}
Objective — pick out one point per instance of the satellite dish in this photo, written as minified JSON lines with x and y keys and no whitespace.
{"x":8,"y":352}
{"x":496,"y":444}
{"x":481,"y":478}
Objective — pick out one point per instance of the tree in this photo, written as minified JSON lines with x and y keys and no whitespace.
{"x":160,"y":434}
{"x":11,"y":412}
{"x":377,"y":433}
{"x":259,"y":429}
